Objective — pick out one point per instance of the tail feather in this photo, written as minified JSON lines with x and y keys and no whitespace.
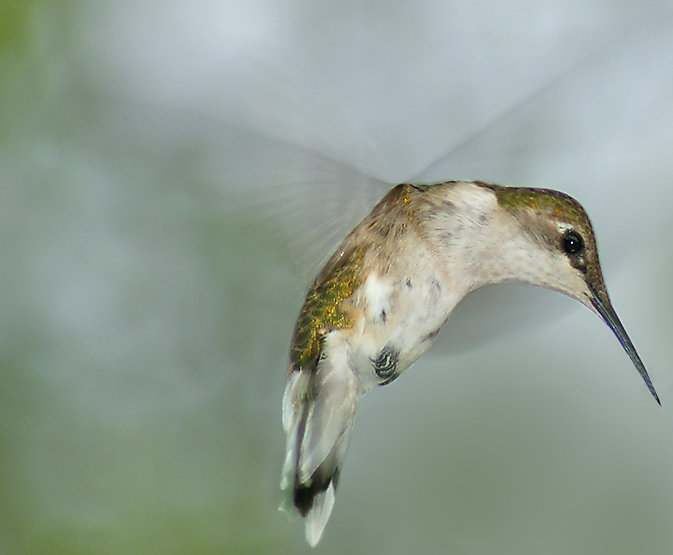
{"x":317,"y":517}
{"x":318,"y":415}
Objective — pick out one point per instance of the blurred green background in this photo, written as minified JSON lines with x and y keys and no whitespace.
{"x":158,"y":189}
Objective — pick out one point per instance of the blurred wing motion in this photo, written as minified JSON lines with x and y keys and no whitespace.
{"x":319,"y":408}
{"x":309,"y":199}
{"x":506,"y":148}
{"x":305,"y":200}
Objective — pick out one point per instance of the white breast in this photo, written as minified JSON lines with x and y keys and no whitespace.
{"x":404,"y":312}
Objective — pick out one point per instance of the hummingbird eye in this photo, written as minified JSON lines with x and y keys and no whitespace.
{"x":572,"y":242}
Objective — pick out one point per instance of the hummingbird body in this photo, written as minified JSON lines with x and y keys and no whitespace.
{"x":383,"y":296}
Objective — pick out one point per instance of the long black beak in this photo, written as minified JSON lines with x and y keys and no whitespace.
{"x":608,"y":314}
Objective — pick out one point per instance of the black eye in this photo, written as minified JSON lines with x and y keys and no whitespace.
{"x":572,"y":242}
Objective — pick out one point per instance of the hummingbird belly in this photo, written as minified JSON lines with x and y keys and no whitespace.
{"x":401,"y":318}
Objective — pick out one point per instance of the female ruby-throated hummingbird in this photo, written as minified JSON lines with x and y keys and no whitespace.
{"x":381,"y":299}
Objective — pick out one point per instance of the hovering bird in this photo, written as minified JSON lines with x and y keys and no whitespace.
{"x":381,"y":299}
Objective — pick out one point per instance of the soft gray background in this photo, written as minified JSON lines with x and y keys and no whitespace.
{"x":165,"y":167}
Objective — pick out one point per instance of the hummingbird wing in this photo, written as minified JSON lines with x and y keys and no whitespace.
{"x":306,"y":200}
{"x":309,"y":199}
{"x":318,"y":415}
{"x":506,"y":148}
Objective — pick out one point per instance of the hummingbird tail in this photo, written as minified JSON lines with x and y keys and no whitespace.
{"x":318,"y":415}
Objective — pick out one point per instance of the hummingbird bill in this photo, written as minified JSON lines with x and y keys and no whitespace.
{"x":381,"y":299}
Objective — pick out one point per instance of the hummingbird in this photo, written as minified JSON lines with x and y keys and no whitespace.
{"x":381,"y":299}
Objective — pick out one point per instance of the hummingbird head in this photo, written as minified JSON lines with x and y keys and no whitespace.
{"x":555,"y":243}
